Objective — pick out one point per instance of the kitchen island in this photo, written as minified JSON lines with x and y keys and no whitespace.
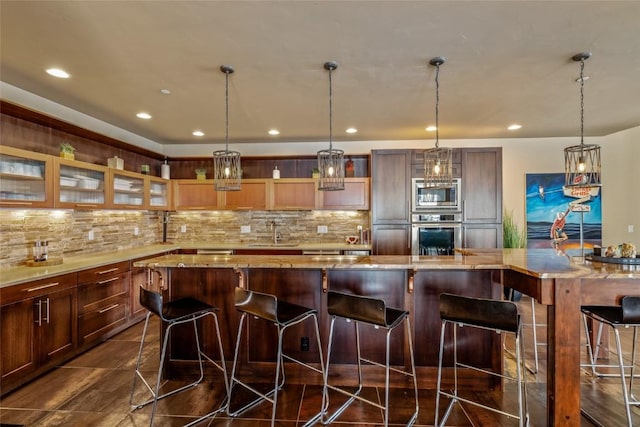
{"x":412,"y":282}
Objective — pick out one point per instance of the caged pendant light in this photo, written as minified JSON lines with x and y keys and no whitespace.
{"x":437,"y":161}
{"x":331,"y":161}
{"x":582,"y":162}
{"x":227,"y":173}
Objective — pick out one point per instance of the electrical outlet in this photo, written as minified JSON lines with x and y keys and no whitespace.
{"x":136,"y":231}
{"x":245,"y":229}
{"x":183,"y":228}
{"x":322,"y":229}
{"x":304,"y":344}
{"x":630,"y":228}
{"x":359,"y":228}
{"x":91,"y":235}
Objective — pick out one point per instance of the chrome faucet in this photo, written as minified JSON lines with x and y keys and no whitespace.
{"x":274,"y":230}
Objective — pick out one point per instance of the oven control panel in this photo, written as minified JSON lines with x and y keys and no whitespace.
{"x":437,"y":217}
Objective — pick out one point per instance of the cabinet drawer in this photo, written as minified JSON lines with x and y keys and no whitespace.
{"x":37,"y":288}
{"x":101,"y":273}
{"x":92,"y":295}
{"x":110,"y":314}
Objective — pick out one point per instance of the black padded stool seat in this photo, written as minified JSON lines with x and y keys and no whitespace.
{"x":486,"y":313}
{"x":172,"y":313}
{"x":627,"y":315}
{"x":373,"y":312}
{"x":267,"y":307}
{"x":496,"y":315}
{"x":282,"y":315}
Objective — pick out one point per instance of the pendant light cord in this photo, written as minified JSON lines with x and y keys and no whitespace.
{"x":582,"y":101}
{"x":330,"y":110}
{"x":437,"y":104}
{"x":226,"y":101}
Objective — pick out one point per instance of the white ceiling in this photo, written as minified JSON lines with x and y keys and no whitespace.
{"x":507,"y":61}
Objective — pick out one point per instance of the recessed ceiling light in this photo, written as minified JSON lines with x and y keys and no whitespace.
{"x":274,"y":132}
{"x":197,"y":133}
{"x":57,"y":72}
{"x":514,"y":126}
{"x":165,"y":91}
{"x":143,"y":115}
{"x":351,"y":130}
{"x":430,"y":128}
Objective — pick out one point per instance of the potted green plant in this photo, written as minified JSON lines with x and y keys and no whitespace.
{"x":66,"y":151}
{"x":201,"y":173}
{"x":512,"y":237}
{"x":315,"y":173}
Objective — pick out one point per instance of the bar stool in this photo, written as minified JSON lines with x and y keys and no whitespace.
{"x":627,"y":315}
{"x":498,"y":316}
{"x":510,"y":295}
{"x":372,"y":312}
{"x":282,"y":315}
{"x":173,"y":313}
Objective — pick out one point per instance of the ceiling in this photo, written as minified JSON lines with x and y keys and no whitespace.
{"x":507,"y":62}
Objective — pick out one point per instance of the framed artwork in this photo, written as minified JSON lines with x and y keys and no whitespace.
{"x":554,"y":216}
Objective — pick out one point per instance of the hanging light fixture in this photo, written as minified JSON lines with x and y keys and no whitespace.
{"x":437,"y":161}
{"x":331,"y":161}
{"x":227,"y":173}
{"x":582,"y":162}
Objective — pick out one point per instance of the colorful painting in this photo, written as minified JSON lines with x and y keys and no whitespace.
{"x":554,"y":219}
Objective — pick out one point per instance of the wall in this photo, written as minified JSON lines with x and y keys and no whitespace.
{"x":67,"y":232}
{"x":294,"y":226}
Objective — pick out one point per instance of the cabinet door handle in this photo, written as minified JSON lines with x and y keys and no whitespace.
{"x":111,"y":307}
{"x":102,"y":282}
{"x":111,"y":270}
{"x":39,"y":321}
{"x":4,"y":202}
{"x":47,"y":319}
{"x":37,"y":288}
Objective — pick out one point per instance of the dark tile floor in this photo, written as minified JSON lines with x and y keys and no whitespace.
{"x":93,"y":390}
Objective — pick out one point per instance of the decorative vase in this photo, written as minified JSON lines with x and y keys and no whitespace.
{"x":69,"y":156}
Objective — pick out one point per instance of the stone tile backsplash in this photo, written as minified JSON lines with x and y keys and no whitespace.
{"x":67,"y":231}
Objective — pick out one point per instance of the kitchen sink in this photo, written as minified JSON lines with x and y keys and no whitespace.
{"x":337,"y":258}
{"x":273,"y":245}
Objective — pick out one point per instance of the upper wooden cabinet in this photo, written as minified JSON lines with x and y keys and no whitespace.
{"x":482,"y":185}
{"x":355,"y":196}
{"x":251,"y":196}
{"x":195,"y":194}
{"x":272,"y":194}
{"x":26,"y":179}
{"x":131,"y":190}
{"x":127,"y":190}
{"x":294,"y":194}
{"x":391,"y":183}
{"x":80,"y":185}
{"x":159,"y":193}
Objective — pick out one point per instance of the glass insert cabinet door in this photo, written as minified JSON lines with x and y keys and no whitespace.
{"x":128,"y":190}
{"x":80,"y":185}
{"x":158,"y":194}
{"x":25,"y":178}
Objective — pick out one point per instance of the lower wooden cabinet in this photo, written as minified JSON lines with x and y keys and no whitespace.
{"x":391,"y":239}
{"x":103,"y":300}
{"x":482,"y":235}
{"x":37,"y":328}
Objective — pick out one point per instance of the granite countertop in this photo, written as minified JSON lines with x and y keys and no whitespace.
{"x":21,"y":274}
{"x":540,"y":263}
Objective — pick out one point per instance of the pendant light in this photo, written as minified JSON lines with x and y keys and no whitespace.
{"x":331,"y":161}
{"x":227,"y":173}
{"x":582,"y":162}
{"x":437,"y":161}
